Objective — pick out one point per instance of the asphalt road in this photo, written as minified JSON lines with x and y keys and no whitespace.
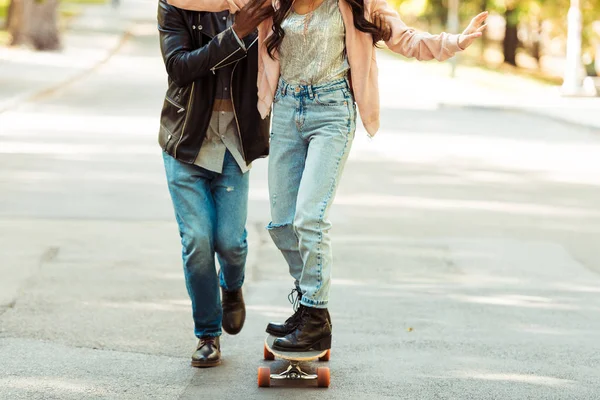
{"x":466,"y":262}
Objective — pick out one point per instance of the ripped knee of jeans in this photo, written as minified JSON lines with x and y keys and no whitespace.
{"x":284,"y":236}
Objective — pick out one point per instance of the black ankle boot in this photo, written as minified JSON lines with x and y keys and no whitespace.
{"x":312,"y":333}
{"x":290,"y":324}
{"x":234,"y":311}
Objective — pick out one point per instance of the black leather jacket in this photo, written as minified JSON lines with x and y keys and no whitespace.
{"x":193,"y":46}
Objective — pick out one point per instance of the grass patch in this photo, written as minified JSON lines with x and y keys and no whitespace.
{"x":68,"y":8}
{"x":4,"y":38}
{"x":473,"y":59}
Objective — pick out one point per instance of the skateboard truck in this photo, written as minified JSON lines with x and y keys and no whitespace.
{"x":294,"y":372}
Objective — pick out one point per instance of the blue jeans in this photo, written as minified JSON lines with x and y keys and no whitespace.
{"x":211,"y":210}
{"x":312,"y":132}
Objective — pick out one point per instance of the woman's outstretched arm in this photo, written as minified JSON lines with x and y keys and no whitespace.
{"x":422,"y":46}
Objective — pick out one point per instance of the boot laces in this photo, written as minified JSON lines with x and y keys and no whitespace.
{"x":207,"y":340}
{"x":294,"y":298}
{"x":303,"y":317}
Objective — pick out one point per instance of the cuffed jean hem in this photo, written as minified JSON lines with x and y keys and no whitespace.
{"x":314,"y":303}
{"x":233,"y":288}
{"x":209,"y":334}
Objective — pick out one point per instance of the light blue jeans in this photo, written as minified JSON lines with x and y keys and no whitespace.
{"x":312,"y":132}
{"x":211,"y":210}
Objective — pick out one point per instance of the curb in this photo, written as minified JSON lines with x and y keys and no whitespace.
{"x":55,"y":87}
{"x":528,"y":111}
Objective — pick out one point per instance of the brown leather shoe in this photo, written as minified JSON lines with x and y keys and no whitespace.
{"x":208,"y":352}
{"x":234,"y":311}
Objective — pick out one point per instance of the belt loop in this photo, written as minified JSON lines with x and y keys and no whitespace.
{"x":311,"y":94}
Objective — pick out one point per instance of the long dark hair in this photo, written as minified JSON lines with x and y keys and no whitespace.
{"x":285,"y":6}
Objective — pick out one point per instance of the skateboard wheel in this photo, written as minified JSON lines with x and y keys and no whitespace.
{"x":264,"y":377}
{"x":267,"y":354}
{"x":326,"y":356}
{"x":323,"y":377}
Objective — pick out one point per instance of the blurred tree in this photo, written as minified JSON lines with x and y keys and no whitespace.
{"x":520,"y":16}
{"x":484,"y":5}
{"x":437,"y":12}
{"x":34,"y":23}
{"x":8,"y":15}
{"x":510,"y":44}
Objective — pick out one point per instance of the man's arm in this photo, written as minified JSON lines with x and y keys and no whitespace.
{"x":209,"y":5}
{"x":184,"y":63}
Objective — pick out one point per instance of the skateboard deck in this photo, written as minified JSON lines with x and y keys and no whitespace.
{"x":293,"y":371}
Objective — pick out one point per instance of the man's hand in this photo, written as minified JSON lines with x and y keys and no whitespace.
{"x":473,"y":31}
{"x":385,"y":30}
{"x":251,"y":15}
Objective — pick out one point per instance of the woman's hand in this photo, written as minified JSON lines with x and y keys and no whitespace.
{"x":473,"y":31}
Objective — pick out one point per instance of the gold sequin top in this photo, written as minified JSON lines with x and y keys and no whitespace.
{"x":313,"y":50}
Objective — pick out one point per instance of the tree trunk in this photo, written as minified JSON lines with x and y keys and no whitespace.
{"x":34,"y":23}
{"x":9,"y":14}
{"x":437,"y":13}
{"x":536,"y":45}
{"x":511,"y":38}
{"x":484,"y":38}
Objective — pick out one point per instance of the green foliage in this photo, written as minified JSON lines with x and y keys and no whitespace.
{"x":3,"y":8}
{"x":525,"y":11}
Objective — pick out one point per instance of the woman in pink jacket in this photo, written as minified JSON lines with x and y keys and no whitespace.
{"x":317,"y":64}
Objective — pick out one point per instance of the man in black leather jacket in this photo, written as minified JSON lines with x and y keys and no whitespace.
{"x":210,"y":131}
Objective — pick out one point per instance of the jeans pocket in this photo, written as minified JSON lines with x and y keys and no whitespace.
{"x":334,"y":98}
{"x":277,"y":96}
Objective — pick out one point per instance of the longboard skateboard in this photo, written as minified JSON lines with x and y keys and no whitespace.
{"x":293,"y":372}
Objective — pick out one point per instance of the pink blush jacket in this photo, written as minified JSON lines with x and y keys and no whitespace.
{"x":359,"y":47}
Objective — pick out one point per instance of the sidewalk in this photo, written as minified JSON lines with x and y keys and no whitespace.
{"x":89,"y":42}
{"x":430,"y":85}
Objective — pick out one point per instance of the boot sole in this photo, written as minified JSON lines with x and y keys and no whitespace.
{"x":234,"y":331}
{"x":197,"y":364}
{"x":321,"y":345}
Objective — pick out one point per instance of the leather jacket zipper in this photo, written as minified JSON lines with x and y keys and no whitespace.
{"x":235,"y":114}
{"x":189,"y":104}
{"x":218,"y":65}
{"x":223,"y":66}
{"x":185,"y":121}
{"x":181,"y":109}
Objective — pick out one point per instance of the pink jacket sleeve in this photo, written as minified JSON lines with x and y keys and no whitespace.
{"x":408,"y":42}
